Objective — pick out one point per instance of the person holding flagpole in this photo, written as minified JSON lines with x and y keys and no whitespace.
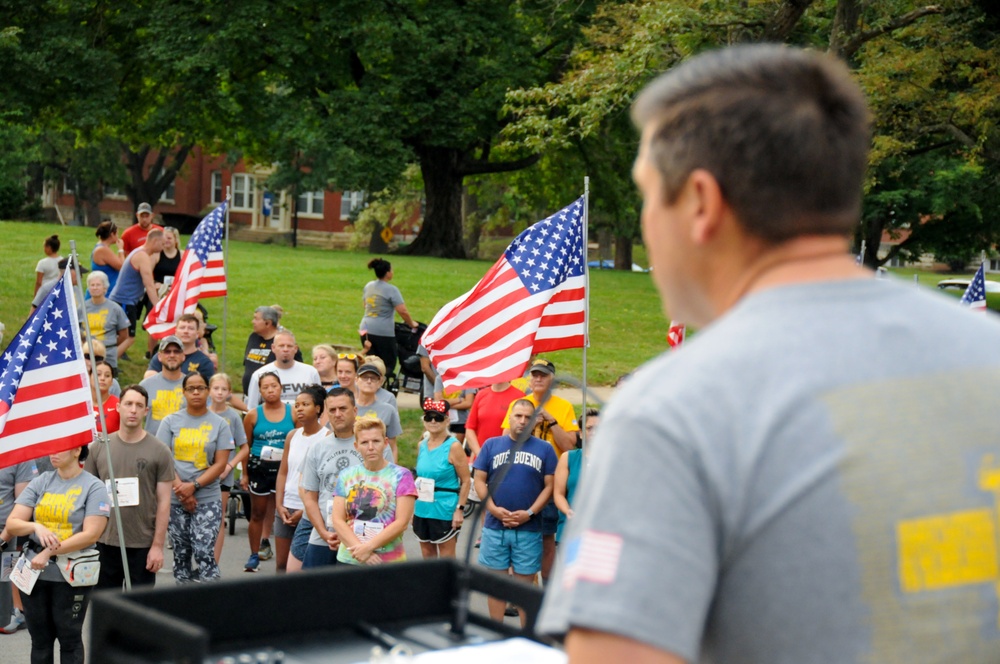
{"x":63,"y":511}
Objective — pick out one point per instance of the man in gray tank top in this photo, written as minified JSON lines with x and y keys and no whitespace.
{"x":136,"y":280}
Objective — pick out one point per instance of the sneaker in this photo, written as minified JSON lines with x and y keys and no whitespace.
{"x":253,"y":562}
{"x":16,"y":623}
{"x":265,"y":552}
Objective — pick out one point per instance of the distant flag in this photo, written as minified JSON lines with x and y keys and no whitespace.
{"x":531,"y":301}
{"x":975,"y":294}
{"x":201,"y":273}
{"x":675,"y":336}
{"x":45,"y":401}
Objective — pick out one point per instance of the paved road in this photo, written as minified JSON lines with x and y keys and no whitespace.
{"x":16,"y":648}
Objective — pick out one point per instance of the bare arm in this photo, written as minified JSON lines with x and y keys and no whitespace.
{"x":38,"y":283}
{"x":427,"y":368}
{"x":279,"y":486}
{"x":248,"y":424}
{"x":108,"y":257}
{"x":154,"y":559}
{"x":311,"y":500}
{"x":566,"y":440}
{"x":473,"y":440}
{"x":405,"y":315}
{"x":145,"y":269}
{"x":122,"y":336}
{"x":559,"y":486}
{"x":585,"y":646}
{"x":457,"y":458}
{"x":5,"y":535}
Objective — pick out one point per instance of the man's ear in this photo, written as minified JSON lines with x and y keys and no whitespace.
{"x":707,"y":205}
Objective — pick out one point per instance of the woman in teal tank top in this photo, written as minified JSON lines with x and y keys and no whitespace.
{"x":568,"y":473}
{"x":267,"y":427}
{"x":442,"y":484}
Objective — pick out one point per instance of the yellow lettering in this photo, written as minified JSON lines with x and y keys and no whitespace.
{"x":190,"y":445}
{"x":53,"y":511}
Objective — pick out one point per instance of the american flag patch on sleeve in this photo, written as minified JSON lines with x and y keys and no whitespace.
{"x":593,"y":556}
{"x":104,"y":507}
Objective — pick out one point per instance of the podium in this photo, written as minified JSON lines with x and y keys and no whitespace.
{"x":330,"y":615}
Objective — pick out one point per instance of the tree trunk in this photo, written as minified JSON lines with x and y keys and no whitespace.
{"x":623,"y":253}
{"x":441,"y":232}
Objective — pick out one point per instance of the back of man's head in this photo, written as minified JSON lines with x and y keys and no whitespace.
{"x":784,"y":131}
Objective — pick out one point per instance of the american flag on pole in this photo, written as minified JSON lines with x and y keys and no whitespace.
{"x":675,"y":335}
{"x":532,"y":300}
{"x":975,"y":294}
{"x":45,"y":402}
{"x":201,"y":273}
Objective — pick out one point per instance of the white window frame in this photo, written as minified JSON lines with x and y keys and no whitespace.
{"x":169,"y":193}
{"x":117,"y":193}
{"x":351,"y":201}
{"x":244,"y":191}
{"x":310,"y":204}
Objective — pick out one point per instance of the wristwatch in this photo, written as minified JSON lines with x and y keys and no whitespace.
{"x":197,"y":485}
{"x":531,"y":512}
{"x":3,"y":544}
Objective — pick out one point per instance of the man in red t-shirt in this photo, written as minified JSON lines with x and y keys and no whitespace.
{"x":487,"y":414}
{"x":135,"y":235}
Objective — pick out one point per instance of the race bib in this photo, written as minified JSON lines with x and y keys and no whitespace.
{"x":365,"y":530}
{"x":268,"y":453}
{"x":128,"y":490}
{"x":425,"y":489}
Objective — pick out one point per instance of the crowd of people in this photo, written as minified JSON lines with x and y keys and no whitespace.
{"x":312,"y":447}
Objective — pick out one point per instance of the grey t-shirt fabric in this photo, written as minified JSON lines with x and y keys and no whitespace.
{"x":232,"y":417}
{"x":428,"y":385}
{"x":386,"y":413}
{"x":381,"y":299}
{"x":61,"y":505}
{"x":10,"y":477}
{"x":146,"y":463}
{"x":165,"y":397}
{"x":322,"y":465}
{"x":105,"y":320}
{"x":194,"y":442}
{"x":788,"y":486}
{"x":386,"y":397}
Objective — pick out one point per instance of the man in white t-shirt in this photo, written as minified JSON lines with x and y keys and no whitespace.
{"x":294,"y":376}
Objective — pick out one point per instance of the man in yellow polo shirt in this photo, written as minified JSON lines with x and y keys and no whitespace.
{"x":556,"y":425}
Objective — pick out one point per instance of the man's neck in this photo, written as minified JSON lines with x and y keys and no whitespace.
{"x":131,"y":434}
{"x":499,"y":387}
{"x":190,"y":348}
{"x":172,"y":375}
{"x":345,"y":434}
{"x":365,"y":399}
{"x":284,"y":365}
{"x":97,"y":300}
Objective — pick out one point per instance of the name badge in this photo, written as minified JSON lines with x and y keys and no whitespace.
{"x":128,"y":490}
{"x":268,"y":453}
{"x":365,"y":530}
{"x":425,"y":489}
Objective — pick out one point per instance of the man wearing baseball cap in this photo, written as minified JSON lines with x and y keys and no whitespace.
{"x":166,"y":394}
{"x":135,"y":236}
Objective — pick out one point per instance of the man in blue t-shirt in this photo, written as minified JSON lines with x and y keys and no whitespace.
{"x":512,"y":536}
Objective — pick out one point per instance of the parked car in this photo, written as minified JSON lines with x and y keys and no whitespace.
{"x":610,"y":265}
{"x":963,"y":285}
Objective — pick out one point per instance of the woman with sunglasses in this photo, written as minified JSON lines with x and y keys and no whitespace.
{"x":200,"y":442}
{"x":442,"y":484}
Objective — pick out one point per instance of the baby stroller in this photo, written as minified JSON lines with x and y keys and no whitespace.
{"x":410,"y":377}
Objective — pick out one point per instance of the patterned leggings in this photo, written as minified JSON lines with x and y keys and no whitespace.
{"x":193,"y":536}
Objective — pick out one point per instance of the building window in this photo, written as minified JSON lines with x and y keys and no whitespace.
{"x":310,"y":202}
{"x":113,"y":192}
{"x":243,"y":191}
{"x":217,"y":187}
{"x":351,"y":201}
{"x":69,"y":185}
{"x":168,"y":194}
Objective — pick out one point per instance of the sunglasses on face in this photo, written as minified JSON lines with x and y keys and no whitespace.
{"x":434,"y":417}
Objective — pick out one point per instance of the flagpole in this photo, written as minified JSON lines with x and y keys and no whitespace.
{"x":100,"y":413}
{"x":586,"y":304}
{"x":225,"y":298}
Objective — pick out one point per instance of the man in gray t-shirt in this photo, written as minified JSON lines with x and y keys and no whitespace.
{"x":813,"y":477}
{"x":164,"y":388}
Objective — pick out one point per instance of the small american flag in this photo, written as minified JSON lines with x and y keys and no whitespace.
{"x":201,"y":273}
{"x":975,"y":294}
{"x":593,"y":557}
{"x":533,"y":300}
{"x":45,"y":401}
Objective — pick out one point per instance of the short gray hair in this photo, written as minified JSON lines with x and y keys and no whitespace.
{"x":103,"y":278}
{"x":269,"y":314}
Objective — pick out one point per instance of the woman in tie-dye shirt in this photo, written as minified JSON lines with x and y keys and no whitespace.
{"x":373,"y":503}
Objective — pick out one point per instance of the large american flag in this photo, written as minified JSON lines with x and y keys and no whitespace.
{"x":975,"y":294}
{"x":45,"y":402}
{"x":533,"y":300}
{"x":201,"y":273}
